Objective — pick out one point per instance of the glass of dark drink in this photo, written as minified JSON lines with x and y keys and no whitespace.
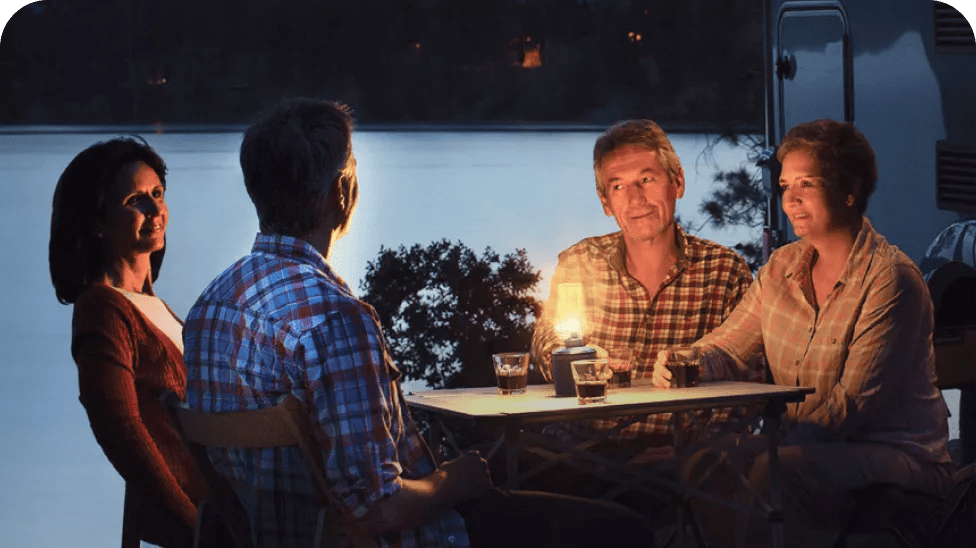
{"x":591,"y":378}
{"x":685,"y":366}
{"x":620,"y":378}
{"x":622,"y":366}
{"x":511,"y":372}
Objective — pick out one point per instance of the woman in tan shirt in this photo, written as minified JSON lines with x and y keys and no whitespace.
{"x":845,"y":312}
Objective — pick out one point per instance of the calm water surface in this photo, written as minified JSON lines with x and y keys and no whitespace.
{"x":506,"y":190}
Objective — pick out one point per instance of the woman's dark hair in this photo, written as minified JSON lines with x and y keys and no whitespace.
{"x":75,"y":250}
{"x":292,"y":158}
{"x":843,"y":154}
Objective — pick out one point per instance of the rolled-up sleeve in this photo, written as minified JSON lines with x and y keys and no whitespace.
{"x":349,"y":384}
{"x":734,"y":349}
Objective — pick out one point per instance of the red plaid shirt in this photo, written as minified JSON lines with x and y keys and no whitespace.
{"x":697,"y":295}
{"x":279,"y":321}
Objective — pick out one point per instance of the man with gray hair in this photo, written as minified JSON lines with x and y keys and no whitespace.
{"x":649,"y":286}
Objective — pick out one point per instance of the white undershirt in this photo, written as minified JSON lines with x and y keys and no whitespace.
{"x":157,"y":313}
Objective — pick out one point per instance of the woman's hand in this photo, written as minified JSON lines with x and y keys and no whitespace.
{"x":661,"y":376}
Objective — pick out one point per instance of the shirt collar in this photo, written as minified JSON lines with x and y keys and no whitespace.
{"x":617,"y":257}
{"x":865,"y":243}
{"x":298,"y":250}
{"x":681,"y":240}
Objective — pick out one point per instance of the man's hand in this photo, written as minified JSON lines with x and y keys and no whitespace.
{"x":661,"y":376}
{"x":600,"y":351}
{"x":421,"y":500}
{"x":471,"y":473}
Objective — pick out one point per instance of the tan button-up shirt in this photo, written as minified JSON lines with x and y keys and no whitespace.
{"x":867,"y":350}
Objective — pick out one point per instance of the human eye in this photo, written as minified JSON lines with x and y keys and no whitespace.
{"x":646,"y":181}
{"x":158,"y":192}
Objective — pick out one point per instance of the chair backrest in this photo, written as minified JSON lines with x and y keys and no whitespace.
{"x":285,"y":424}
{"x":955,"y":367}
{"x":131,"y":519}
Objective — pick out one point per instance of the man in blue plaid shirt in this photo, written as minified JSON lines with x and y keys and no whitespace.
{"x":279,"y":321}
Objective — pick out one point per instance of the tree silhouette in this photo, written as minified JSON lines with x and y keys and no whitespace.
{"x":741,"y":198}
{"x":445,"y":310}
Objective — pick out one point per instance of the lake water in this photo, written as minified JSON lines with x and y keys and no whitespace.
{"x":506,"y":190}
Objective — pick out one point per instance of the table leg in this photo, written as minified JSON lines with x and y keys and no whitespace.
{"x":678,"y":441}
{"x":771,"y":418}
{"x":513,"y":446}
{"x":434,"y":437}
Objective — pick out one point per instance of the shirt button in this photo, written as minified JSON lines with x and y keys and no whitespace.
{"x":451,"y":539}
{"x":833,"y":341}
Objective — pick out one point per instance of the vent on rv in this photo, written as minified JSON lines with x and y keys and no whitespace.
{"x":952,"y":32}
{"x":956,"y":178}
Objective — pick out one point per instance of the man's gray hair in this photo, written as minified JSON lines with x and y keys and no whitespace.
{"x":643,"y":133}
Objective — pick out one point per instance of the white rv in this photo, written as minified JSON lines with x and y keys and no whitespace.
{"x":904,"y":72}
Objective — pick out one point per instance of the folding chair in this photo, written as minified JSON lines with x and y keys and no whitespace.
{"x":917,"y":520}
{"x":285,"y":424}
{"x":133,"y":511}
{"x":131,"y":519}
{"x":913,"y":519}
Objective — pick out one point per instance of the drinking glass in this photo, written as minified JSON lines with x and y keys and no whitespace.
{"x":511,"y":372}
{"x":685,"y":366}
{"x":591,"y":378}
{"x":621,"y":363}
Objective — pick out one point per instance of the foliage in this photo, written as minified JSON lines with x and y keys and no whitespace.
{"x":443,"y":307}
{"x":741,"y":199}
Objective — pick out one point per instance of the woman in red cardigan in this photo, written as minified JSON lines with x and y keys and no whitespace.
{"x":108,"y":236}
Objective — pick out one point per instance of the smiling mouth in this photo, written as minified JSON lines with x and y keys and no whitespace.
{"x":153,"y":228}
{"x":644,"y":214}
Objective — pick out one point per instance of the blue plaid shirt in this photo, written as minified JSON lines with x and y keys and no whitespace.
{"x":278,"y":322}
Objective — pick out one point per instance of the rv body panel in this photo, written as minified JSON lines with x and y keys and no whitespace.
{"x":874,"y":63}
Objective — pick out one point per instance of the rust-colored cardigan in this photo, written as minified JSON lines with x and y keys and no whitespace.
{"x":124,"y":363}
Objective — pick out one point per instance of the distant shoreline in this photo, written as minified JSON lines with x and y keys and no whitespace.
{"x":28,"y":129}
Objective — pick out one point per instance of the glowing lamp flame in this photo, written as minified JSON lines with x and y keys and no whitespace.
{"x":569,"y":328}
{"x":569,"y":310}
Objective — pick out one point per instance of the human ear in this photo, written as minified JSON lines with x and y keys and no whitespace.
{"x":679,"y":180}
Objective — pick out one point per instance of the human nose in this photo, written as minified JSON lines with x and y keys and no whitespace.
{"x":635,"y":194}
{"x":790,"y":196}
{"x":152,"y":207}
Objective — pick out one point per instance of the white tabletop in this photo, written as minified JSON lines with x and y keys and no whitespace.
{"x":539,"y":403}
